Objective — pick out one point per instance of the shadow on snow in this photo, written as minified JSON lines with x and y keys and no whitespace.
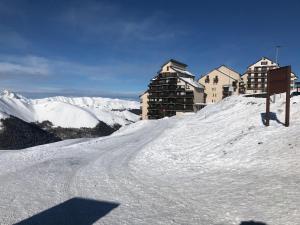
{"x":273,"y":116}
{"x":252,"y":223}
{"x":75,"y":211}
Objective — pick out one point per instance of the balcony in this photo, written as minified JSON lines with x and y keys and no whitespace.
{"x":256,"y":76}
{"x":257,"y":71}
{"x":185,"y":108}
{"x":184,"y":102}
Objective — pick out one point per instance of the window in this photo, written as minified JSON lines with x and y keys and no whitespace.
{"x":264,"y":63}
{"x":216,"y":79}
{"x":207,"y":79}
{"x":167,"y":68}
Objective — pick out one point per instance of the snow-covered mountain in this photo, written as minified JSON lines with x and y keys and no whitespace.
{"x":69,"y":112}
{"x":218,"y":166}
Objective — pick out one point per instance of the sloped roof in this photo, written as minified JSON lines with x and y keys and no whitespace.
{"x":176,"y":62}
{"x":182,"y":71}
{"x":262,"y":58}
{"x":217,"y":69}
{"x":192,"y":82}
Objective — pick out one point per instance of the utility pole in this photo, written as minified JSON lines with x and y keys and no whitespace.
{"x":277,"y":53}
{"x":276,"y":60}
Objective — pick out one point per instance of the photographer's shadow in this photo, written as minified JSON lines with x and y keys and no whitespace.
{"x":252,"y":223}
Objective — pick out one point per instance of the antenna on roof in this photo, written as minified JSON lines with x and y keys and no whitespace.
{"x":277,"y":53}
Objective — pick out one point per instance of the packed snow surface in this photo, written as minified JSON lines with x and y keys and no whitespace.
{"x":69,"y":112}
{"x":220,"y":166}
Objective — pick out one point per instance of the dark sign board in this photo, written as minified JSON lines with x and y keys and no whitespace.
{"x":279,"y":81}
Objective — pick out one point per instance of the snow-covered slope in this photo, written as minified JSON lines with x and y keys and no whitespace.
{"x":230,"y":134}
{"x":220,"y":166}
{"x":69,"y":112}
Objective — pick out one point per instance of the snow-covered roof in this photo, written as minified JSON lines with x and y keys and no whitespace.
{"x":192,"y":82}
{"x":182,"y":71}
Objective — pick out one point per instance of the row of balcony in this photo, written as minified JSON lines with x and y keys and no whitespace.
{"x":255,"y":76}
{"x":173,"y":101}
{"x":171,"y":94}
{"x":155,"y":110}
{"x":257,"y":82}
{"x":256,"y":87}
{"x":257,"y":71}
{"x":166,"y":88}
{"x":164,"y":81}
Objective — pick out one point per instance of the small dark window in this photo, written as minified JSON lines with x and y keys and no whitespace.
{"x":216,"y":80}
{"x":207,"y":79}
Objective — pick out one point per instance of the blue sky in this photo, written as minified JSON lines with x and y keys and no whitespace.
{"x":113,"y":48}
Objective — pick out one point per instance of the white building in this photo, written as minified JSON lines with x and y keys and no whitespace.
{"x":255,"y":77}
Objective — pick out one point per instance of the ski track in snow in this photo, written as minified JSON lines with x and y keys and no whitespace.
{"x":169,"y":171}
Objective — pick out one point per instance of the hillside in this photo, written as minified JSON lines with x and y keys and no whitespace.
{"x":221,"y":166}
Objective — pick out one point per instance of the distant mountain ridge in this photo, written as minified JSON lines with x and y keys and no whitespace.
{"x":66,"y":117}
{"x":69,"y":112}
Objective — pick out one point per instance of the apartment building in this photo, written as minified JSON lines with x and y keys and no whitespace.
{"x":172,"y":91}
{"x":255,"y":77}
{"x":221,"y":83}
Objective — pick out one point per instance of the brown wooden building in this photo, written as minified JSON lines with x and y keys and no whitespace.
{"x":173,"y":91}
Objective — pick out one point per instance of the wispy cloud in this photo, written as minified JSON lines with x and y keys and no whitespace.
{"x":12,"y":66}
{"x":29,"y":65}
{"x":40,"y":76}
{"x":13,"y":40}
{"x":106,"y":19}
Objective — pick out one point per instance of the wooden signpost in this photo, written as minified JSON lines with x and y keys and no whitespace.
{"x":279,"y":81}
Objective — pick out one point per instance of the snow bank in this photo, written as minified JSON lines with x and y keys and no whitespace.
{"x":230,"y":134}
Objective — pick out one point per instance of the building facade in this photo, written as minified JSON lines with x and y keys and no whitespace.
{"x":255,"y":77}
{"x":173,"y":91}
{"x":144,"y":105}
{"x":221,"y":83}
